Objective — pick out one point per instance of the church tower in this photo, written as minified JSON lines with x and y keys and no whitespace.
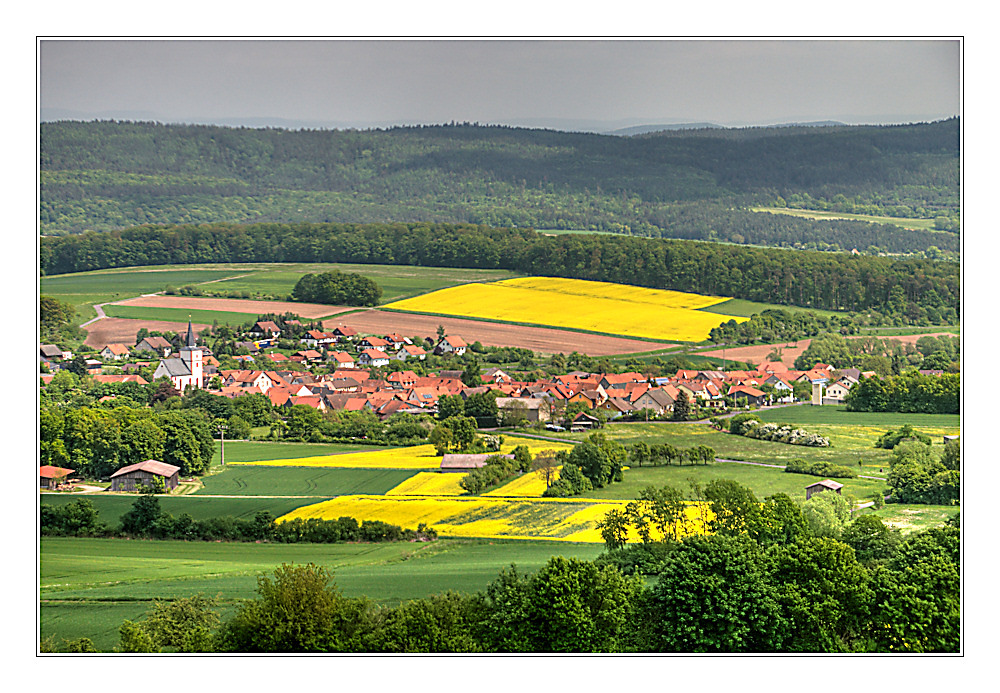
{"x":191,"y":355}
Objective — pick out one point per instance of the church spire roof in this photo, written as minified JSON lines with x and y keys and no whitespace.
{"x":190,"y":335}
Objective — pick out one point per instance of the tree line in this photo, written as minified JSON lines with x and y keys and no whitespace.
{"x":147,"y":520}
{"x":807,"y":279}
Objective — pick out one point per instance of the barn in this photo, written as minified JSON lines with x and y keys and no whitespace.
{"x":825,"y":485}
{"x":466,"y":463}
{"x":50,"y":477}
{"x":130,"y":478}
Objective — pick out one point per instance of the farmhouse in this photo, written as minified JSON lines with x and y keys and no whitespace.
{"x":410,"y":351}
{"x":451,"y":345}
{"x":50,"y":477}
{"x":51,"y":352}
{"x":157,"y":345}
{"x":265,"y":328}
{"x":749,"y":395}
{"x":535,"y":409}
{"x":659,"y":399}
{"x":130,"y":478}
{"x":837,"y":393}
{"x":373,"y":358}
{"x":114,"y":352}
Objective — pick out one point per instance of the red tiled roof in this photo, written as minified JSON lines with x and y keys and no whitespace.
{"x":49,"y":472}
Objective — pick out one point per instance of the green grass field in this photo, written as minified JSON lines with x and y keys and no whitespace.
{"x":852,"y":438}
{"x":90,"y":586}
{"x":259,"y":451}
{"x":839,"y":416}
{"x":915,"y":518}
{"x":302,"y":481}
{"x":206,"y":317}
{"x":112,"y":507}
{"x":744,"y":309}
{"x":902,"y":222}
{"x":397,"y":281}
{"x":763,"y":481}
{"x":84,"y":289}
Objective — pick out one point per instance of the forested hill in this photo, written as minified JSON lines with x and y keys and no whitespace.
{"x":678,"y":184}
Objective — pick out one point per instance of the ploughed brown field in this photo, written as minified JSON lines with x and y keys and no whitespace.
{"x":538,"y":339}
{"x":123,"y":330}
{"x":310,"y":311}
{"x":758,"y":354}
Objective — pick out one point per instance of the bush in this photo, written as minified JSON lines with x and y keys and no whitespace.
{"x":739,"y":424}
{"x":824,"y":469}
{"x":783,"y":433}
{"x":498,"y":468}
{"x":893,"y":438}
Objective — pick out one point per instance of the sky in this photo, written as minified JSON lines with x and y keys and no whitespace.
{"x":565,"y":84}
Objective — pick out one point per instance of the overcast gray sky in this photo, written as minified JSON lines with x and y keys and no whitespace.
{"x":588,"y":83}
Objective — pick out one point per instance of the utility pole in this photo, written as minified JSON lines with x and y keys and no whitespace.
{"x":222,"y":432}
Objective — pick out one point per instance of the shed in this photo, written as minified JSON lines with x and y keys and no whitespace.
{"x":466,"y":463}
{"x":819,"y":486}
{"x":50,"y":477}
{"x":135,"y":475}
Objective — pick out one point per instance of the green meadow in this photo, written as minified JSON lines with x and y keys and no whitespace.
{"x":90,"y":586}
{"x":84,"y":289}
{"x":254,"y":451}
{"x":852,"y":436}
{"x":112,"y":506}
{"x":902,"y":222}
{"x":763,"y":481}
{"x":302,"y":481}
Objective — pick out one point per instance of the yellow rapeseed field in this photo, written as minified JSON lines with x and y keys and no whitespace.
{"x":581,"y":305}
{"x":430,"y":484}
{"x":530,"y":485}
{"x":415,"y":457}
{"x":499,"y":518}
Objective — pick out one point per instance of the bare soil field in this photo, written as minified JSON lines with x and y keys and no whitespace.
{"x":538,"y":339}
{"x":309,"y":311}
{"x":123,"y":330}
{"x":758,"y":354}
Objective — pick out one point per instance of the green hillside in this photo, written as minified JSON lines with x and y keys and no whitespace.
{"x":692,"y":184}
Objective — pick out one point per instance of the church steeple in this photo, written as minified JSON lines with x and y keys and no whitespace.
{"x":190,"y":335}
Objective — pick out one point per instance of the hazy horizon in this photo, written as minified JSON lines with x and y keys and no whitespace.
{"x":559,"y":84}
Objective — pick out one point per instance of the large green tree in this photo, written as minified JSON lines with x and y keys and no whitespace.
{"x":713,"y":594}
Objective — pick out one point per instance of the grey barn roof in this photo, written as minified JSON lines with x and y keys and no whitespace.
{"x":457,"y":461}
{"x":151,"y":466}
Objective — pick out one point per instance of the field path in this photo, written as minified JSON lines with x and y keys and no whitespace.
{"x":310,"y":311}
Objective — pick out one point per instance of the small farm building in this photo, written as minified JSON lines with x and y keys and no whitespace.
{"x":466,"y":463}
{"x":50,"y":477}
{"x":819,"y":486}
{"x":135,"y":475}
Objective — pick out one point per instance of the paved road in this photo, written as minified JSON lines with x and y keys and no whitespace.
{"x":99,"y":308}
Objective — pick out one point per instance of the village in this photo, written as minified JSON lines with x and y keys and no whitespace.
{"x":344,"y":370}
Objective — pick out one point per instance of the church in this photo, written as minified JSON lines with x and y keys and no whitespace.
{"x":188,"y":370}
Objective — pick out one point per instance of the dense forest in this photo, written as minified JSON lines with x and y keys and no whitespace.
{"x":802,"y":278}
{"x":682,"y":184}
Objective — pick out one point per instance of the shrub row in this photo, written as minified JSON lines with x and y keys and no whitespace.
{"x":145,"y":519}
{"x":824,"y":469}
